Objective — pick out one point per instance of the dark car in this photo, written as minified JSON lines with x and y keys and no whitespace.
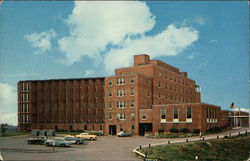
{"x":37,"y":140}
{"x":73,"y":139}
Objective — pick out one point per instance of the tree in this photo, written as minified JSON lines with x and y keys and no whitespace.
{"x":4,"y":127}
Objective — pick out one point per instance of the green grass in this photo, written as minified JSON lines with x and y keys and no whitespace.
{"x":13,"y":133}
{"x":220,"y":150}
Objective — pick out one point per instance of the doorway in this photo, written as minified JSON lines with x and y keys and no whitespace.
{"x":112,"y":129}
{"x":145,"y":127}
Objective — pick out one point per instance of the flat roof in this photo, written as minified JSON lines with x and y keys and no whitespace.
{"x":61,"y":79}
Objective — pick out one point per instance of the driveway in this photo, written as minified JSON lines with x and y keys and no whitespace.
{"x":106,"y":148}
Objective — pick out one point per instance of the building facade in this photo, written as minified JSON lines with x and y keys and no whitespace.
{"x":141,"y":99}
{"x":63,"y":104}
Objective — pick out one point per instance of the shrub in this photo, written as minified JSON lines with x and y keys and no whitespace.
{"x":214,"y":129}
{"x":184,"y":130}
{"x":174,"y":130}
{"x":160,"y":130}
{"x":196,"y":131}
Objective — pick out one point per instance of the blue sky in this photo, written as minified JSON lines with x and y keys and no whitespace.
{"x":45,"y":40}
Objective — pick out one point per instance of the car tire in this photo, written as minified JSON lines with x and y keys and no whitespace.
{"x":91,"y":138}
{"x":47,"y":144}
{"x":29,"y":142}
{"x":62,"y":145}
{"x":77,"y":142}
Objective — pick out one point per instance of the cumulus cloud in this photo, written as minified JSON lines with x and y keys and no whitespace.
{"x":94,"y":25}
{"x":41,"y":41}
{"x":8,"y":104}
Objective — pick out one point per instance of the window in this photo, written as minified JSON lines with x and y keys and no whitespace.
{"x":110,"y":82}
{"x":176,"y":113}
{"x":121,"y":128}
{"x":166,"y":77}
{"x":121,"y":93}
{"x":121,"y":116}
{"x":85,"y":127}
{"x":163,"y":115}
{"x":27,"y":108}
{"x":159,"y":73}
{"x":22,"y":86}
{"x":166,"y":86}
{"x":132,"y":92}
{"x":109,"y":105}
{"x":93,"y":127}
{"x":28,"y":87}
{"x":109,"y":93}
{"x":132,"y":116}
{"x":189,"y":112}
{"x":132,"y":80}
{"x":159,"y":95}
{"x":144,"y":116}
{"x":110,"y":116}
{"x":159,"y":84}
{"x":120,"y":104}
{"x":132,"y":103}
{"x":166,"y":96}
{"x":121,"y":81}
{"x":27,"y":97}
{"x":100,"y":128}
{"x":132,"y":128}
{"x":148,"y":83}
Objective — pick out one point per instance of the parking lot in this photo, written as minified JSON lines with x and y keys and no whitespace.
{"x":105,"y":148}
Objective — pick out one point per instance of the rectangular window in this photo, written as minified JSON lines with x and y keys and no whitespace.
{"x":110,"y":105}
{"x":121,"y":116}
{"x":27,"y":97}
{"x":132,"y":116}
{"x":144,"y":116}
{"x":132,"y":80}
{"x":163,"y":114}
{"x":159,"y":84}
{"x":121,"y":81}
{"x":85,"y":127}
{"x":110,"y":116}
{"x":120,"y":104}
{"x":28,"y":108}
{"x":109,"y":93}
{"x":132,"y":103}
{"x":132,"y":92}
{"x":27,"y":118}
{"x":27,"y":86}
{"x":93,"y":127}
{"x":189,"y":112}
{"x":100,"y":128}
{"x":120,"y":93}
{"x":121,"y":128}
{"x":22,"y":86}
{"x":110,"y":82}
{"x":176,"y":113}
{"x":132,"y":128}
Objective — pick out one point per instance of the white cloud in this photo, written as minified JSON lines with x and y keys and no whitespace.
{"x":115,"y":31}
{"x":170,"y":42}
{"x":191,"y":56}
{"x":200,"y":20}
{"x":8,"y":104}
{"x":94,"y":25}
{"x":41,"y":41}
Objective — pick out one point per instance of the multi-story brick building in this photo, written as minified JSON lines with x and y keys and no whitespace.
{"x":143,"y":98}
{"x":73,"y":104}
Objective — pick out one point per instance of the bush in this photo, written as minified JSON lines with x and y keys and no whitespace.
{"x":174,"y":130}
{"x":184,"y":130}
{"x":160,"y":130}
{"x":196,"y":131}
{"x":214,"y":129}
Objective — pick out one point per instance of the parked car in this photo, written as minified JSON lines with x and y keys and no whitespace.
{"x":87,"y":136}
{"x":73,"y":139}
{"x":58,"y":142}
{"x":97,"y":133}
{"x":37,"y":140}
{"x":123,"y":134}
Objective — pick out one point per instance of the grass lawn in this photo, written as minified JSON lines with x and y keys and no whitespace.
{"x":220,"y":150}
{"x":14,"y":133}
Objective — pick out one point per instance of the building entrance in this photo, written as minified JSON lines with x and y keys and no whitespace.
{"x":145,"y":127}
{"x":112,"y":129}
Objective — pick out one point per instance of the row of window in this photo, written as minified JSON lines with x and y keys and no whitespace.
{"x":121,"y":81}
{"x":121,"y":116}
{"x":175,"y":98}
{"x":211,"y":113}
{"x":25,"y":86}
{"x":175,"y":88}
{"x":25,"y":97}
{"x":121,"y":92}
{"x":163,"y":113}
{"x":175,"y":79}
{"x":120,"y":104}
{"x":132,"y":128}
{"x":25,"y":108}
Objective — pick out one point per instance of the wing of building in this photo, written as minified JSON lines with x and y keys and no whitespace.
{"x":149,"y":96}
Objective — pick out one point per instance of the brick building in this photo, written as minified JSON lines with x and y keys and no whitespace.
{"x":143,"y":98}
{"x":67,"y":104}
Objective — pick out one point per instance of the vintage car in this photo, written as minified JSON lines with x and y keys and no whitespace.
{"x":37,"y":140}
{"x":87,"y":136}
{"x":58,"y":142}
{"x":123,"y":134}
{"x":97,"y":133}
{"x":73,"y":139}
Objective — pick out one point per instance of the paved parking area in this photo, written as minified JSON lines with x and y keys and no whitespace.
{"x":106,"y":148}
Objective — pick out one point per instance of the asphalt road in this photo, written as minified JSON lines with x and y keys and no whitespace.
{"x":106,"y":148}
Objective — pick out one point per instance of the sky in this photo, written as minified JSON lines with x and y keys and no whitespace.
{"x":66,"y":39}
